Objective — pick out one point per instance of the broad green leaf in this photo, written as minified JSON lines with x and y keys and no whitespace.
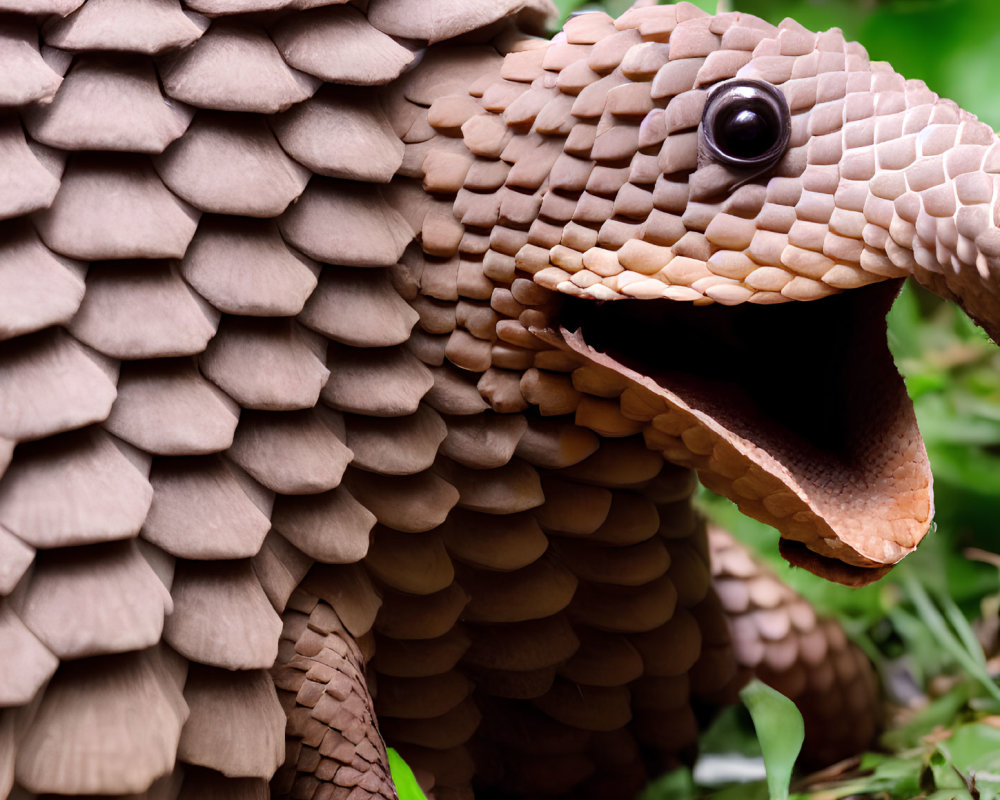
{"x":889,"y":776}
{"x":974,"y":749}
{"x":406,"y":785}
{"x":944,"y":774}
{"x":780,"y":730}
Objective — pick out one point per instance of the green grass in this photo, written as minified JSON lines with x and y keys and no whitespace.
{"x":407,"y":787}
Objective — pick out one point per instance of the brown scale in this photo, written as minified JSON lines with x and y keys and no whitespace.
{"x":286,"y":390}
{"x":321,"y":685}
{"x":777,"y":635}
{"x":518,"y":663}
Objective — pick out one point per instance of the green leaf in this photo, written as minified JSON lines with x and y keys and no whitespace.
{"x":967,"y":467}
{"x":742,"y":791}
{"x":940,"y":712}
{"x":567,"y":7}
{"x":780,"y":730}
{"x":949,"y":794}
{"x":960,"y":625}
{"x":406,"y":785}
{"x":944,"y":772}
{"x":675,"y":785}
{"x":887,"y":777}
{"x":974,"y":749}
{"x":961,"y":644}
{"x":730,"y":732}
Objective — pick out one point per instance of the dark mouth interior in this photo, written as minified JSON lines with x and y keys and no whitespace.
{"x":803,"y":380}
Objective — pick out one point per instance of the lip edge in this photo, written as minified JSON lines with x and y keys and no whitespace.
{"x":833,"y":569}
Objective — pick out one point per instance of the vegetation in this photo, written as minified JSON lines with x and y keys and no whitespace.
{"x":931,"y":625}
{"x":406,"y":784}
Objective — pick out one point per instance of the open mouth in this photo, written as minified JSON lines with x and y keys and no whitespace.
{"x":806,"y":393}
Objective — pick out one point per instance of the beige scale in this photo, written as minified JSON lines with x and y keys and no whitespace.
{"x":358,"y":361}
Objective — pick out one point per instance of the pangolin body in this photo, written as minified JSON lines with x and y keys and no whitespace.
{"x":371,"y":349}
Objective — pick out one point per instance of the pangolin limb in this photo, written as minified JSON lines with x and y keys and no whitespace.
{"x":357,"y":362}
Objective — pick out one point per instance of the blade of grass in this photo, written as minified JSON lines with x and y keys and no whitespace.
{"x":939,"y":713}
{"x":963,"y":629}
{"x":780,"y":731}
{"x":956,"y":648}
{"x":407,"y":787}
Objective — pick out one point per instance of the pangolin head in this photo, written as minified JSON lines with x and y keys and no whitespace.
{"x":723,"y":211}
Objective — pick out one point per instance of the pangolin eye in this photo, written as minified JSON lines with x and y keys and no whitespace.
{"x":746,"y":123}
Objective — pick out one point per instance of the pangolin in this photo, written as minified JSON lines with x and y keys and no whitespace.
{"x":371,"y":349}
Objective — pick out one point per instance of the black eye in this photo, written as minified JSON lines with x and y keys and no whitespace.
{"x":746,"y":123}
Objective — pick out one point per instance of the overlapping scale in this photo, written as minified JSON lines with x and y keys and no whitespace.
{"x":109,"y":102}
{"x":236,"y":725}
{"x":112,"y":208}
{"x":292,"y":452}
{"x":299,"y":383}
{"x":453,"y":18}
{"x":267,"y":364}
{"x":778,"y":636}
{"x":29,"y":185}
{"x":222,"y":616}
{"x":86,"y":738}
{"x":29,"y":665}
{"x":368,"y":231}
{"x":341,"y":134}
{"x":74,"y":489}
{"x":234,"y":67}
{"x":117,"y":601}
{"x":332,"y":527}
{"x":242,"y":266}
{"x":31,"y":79}
{"x":201,"y":510}
{"x":148,"y":27}
{"x":37,"y":287}
{"x":52,"y":384}
{"x":338,"y":44}
{"x":169,"y":408}
{"x":142,"y":309}
{"x":232,"y":164}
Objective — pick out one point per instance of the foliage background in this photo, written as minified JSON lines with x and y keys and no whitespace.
{"x":914,"y":624}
